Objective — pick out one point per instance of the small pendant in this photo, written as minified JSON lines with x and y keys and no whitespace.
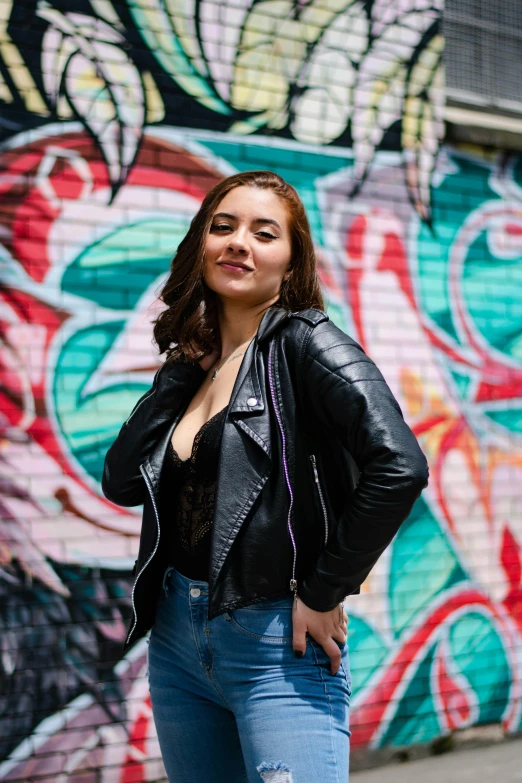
{"x":214,"y":375}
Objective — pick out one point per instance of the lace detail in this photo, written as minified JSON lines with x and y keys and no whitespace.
{"x":196,"y":441}
{"x":196,"y":478}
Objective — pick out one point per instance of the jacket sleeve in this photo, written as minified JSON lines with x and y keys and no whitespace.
{"x":122,"y":482}
{"x":349,"y":394}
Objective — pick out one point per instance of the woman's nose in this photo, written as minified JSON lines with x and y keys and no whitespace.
{"x":237,"y":244}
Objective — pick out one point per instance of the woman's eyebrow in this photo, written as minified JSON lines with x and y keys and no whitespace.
{"x":256,"y":220}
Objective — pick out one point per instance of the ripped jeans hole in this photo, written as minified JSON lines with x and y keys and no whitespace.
{"x":274,"y":772}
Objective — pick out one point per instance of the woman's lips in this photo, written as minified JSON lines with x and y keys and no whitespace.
{"x":233,"y":267}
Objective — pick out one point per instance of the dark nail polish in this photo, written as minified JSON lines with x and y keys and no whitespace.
{"x":298,"y":653}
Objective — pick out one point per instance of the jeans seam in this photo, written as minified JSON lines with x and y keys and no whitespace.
{"x":211,"y":680}
{"x":208,"y":673}
{"x":327,"y":693}
{"x":348,"y":683}
{"x":218,"y":691}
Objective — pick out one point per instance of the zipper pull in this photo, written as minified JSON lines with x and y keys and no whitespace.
{"x":293,"y":588}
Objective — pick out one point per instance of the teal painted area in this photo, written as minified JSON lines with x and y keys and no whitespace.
{"x":517,"y":172}
{"x":415,"y":719}
{"x":367,"y":651}
{"x":336,"y":313}
{"x":462,"y":382}
{"x":115,"y":272}
{"x":423,"y":564}
{"x":454,"y":199}
{"x":478,"y":655}
{"x":90,"y":423}
{"x":510,"y":418}
{"x":478,"y":652}
{"x":492,"y":287}
{"x":295,"y":165}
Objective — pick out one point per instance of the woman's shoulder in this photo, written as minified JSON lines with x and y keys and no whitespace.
{"x":317,"y":329}
{"x":317,"y":338}
{"x":311,"y":315}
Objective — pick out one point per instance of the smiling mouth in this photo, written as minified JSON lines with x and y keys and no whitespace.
{"x":234,"y":265}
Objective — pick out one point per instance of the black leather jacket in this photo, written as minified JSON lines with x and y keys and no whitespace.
{"x":317,"y":470}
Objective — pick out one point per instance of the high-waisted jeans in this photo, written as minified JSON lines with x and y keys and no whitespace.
{"x":233,"y":704}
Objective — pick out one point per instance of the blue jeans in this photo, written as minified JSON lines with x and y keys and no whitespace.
{"x":232,"y":703}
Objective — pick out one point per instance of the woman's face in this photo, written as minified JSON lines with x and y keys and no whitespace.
{"x":248,"y":247}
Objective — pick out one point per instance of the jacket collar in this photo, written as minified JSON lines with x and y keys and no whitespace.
{"x":270,"y":320}
{"x":249,"y":388}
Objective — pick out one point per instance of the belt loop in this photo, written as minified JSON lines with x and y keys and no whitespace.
{"x":166,"y":575}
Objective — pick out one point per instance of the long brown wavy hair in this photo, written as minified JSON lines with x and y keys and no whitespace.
{"x":188,"y":327}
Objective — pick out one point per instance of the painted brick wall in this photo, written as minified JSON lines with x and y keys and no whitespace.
{"x":116,"y":119}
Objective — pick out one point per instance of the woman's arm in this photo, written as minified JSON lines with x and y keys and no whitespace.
{"x":349,"y":393}
{"x":122,"y":482}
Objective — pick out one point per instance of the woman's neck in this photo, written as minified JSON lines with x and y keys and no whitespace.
{"x":238,"y":326}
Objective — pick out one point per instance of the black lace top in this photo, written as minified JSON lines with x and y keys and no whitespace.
{"x":191,"y":484}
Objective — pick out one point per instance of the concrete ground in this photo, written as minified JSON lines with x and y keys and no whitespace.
{"x":499,"y":763}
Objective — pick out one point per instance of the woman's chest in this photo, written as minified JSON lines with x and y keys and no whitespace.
{"x":203,"y":413}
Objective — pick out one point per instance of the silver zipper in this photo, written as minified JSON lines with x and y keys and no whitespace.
{"x":151,"y":492}
{"x":293,"y":582}
{"x":321,"y":497}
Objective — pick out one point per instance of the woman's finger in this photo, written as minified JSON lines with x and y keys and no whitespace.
{"x":340,"y":635}
{"x":334,"y":653}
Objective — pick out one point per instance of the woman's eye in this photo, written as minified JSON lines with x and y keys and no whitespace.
{"x":219,"y":227}
{"x":266,"y":235}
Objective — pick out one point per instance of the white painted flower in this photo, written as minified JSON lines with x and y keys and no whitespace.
{"x":87,"y":71}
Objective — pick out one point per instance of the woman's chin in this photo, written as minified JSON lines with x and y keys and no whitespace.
{"x":233,"y":290}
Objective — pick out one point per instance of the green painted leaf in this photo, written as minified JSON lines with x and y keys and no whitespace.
{"x":478,"y":652}
{"x":415,"y":719}
{"x":367,"y":651}
{"x":423,"y":563}
{"x":90,"y":423}
{"x":137,"y":253}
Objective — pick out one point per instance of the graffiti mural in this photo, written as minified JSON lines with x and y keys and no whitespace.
{"x":115,"y":122}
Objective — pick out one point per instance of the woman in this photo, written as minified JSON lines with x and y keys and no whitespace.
{"x":275,"y":467}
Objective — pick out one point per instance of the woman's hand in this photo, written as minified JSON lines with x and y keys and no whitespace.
{"x":324,"y":627}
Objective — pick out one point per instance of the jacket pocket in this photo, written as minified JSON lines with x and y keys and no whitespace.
{"x":321,"y":496}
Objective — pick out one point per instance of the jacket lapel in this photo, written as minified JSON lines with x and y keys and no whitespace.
{"x":248,"y":407}
{"x":245,"y":455}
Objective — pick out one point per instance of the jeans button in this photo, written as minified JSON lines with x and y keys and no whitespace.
{"x":195,"y":592}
